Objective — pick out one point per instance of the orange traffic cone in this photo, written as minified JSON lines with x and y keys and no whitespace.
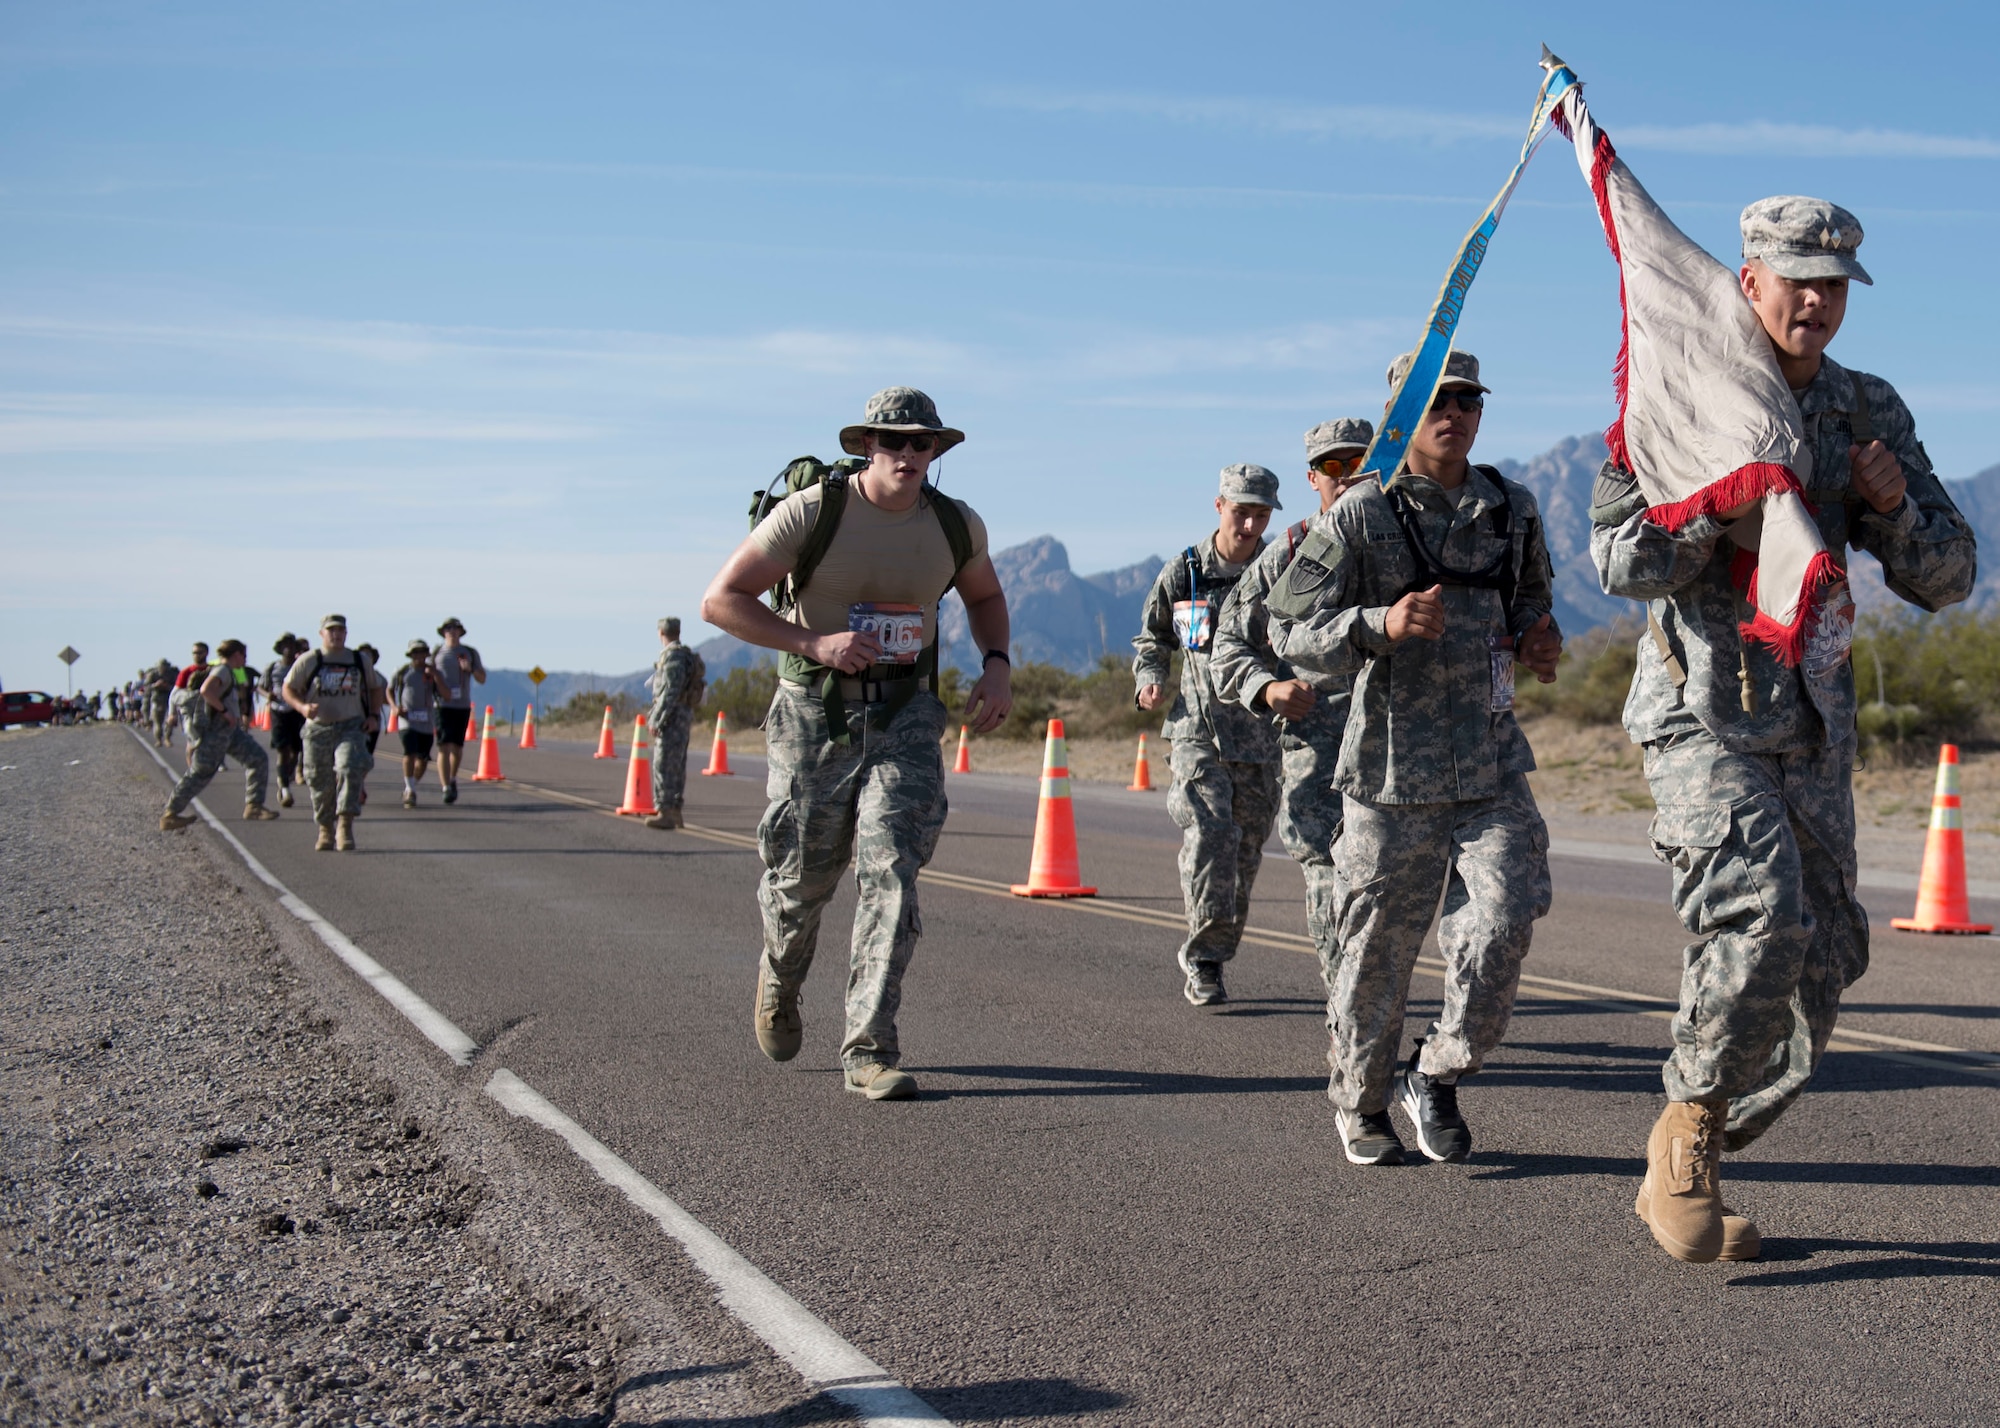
{"x":528,"y":730}
{"x":1052,"y":872}
{"x":604,"y":747}
{"x":964,"y":764}
{"x":639,"y":774}
{"x":391,"y":726}
{"x":718,"y":756}
{"x":1142,"y":775}
{"x":1941,"y":901}
{"x":489,"y":754}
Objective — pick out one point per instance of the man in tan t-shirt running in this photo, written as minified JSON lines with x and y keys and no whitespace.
{"x":852,"y":735}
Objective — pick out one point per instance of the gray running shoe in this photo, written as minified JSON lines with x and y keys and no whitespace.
{"x":1204,"y":983}
{"x":1432,"y":1106}
{"x":776,"y":1019}
{"x":285,"y":796}
{"x":881,"y":1083}
{"x":1369,"y":1139}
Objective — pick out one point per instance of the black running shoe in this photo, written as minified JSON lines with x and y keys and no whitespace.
{"x":1432,"y":1106}
{"x":1204,"y":983}
{"x":1369,"y":1139}
{"x":451,"y":792}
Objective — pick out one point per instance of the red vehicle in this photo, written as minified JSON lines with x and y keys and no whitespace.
{"x":26,"y":706}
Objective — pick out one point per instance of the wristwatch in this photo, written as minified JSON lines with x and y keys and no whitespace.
{"x":1000,"y":655}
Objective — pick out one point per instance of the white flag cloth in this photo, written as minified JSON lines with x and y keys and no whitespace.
{"x":1705,"y":420}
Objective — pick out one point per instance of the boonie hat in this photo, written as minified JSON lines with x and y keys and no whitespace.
{"x":340,"y":620}
{"x":1340,"y":434}
{"x":284,"y":642}
{"x":1461,"y":369}
{"x":418,"y":646}
{"x":1251,"y":486}
{"x":670,"y":625}
{"x":450,"y":623}
{"x":1803,"y":238}
{"x":899,"y":409}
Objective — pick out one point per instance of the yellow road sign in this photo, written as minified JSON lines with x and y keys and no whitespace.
{"x":537,"y":675}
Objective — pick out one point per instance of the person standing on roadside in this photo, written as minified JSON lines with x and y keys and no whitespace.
{"x":287,"y":724}
{"x":1750,"y":760}
{"x":853,"y":729}
{"x":1427,"y":592}
{"x":218,"y":730}
{"x":1225,"y":758}
{"x":414,"y":690}
{"x":1311,"y":715}
{"x":340,"y":696}
{"x":680,"y":680}
{"x":458,"y":668}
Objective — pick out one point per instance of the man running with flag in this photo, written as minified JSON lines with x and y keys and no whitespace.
{"x":1745,"y":464}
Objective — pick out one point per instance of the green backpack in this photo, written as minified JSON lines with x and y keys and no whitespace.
{"x":808,"y":471}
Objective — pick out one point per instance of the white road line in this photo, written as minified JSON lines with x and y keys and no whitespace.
{"x":425,"y":1017}
{"x":795,"y":1333}
{"x":1881,"y":878}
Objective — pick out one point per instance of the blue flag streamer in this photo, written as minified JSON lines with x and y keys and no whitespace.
{"x":1412,"y":397}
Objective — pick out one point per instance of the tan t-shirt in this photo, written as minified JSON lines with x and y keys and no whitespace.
{"x":339,"y":683}
{"x":877,"y":556}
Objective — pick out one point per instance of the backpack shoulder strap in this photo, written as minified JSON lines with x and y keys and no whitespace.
{"x":832,"y":502}
{"x":1861,"y":421}
{"x":957,"y":532}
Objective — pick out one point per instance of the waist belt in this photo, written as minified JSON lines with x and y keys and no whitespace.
{"x":884,"y":684}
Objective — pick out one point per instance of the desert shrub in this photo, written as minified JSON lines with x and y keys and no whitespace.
{"x":1096,"y":704}
{"x":743,"y":696}
{"x":587,"y":707}
{"x":1923,"y":678}
{"x":1591,"y":682}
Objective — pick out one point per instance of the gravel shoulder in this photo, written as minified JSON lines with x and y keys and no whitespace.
{"x":234,"y":1190}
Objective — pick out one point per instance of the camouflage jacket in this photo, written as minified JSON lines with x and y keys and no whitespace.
{"x":671,"y":672}
{"x":1199,"y":712}
{"x":1423,"y":726}
{"x":1924,"y":546}
{"x":1243,"y":663}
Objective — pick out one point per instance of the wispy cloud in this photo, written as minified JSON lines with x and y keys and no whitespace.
{"x":1388,"y":124}
{"x":45,"y":423}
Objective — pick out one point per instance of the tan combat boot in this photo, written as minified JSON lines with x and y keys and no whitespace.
{"x":324,"y":844}
{"x":666,"y":818}
{"x":881,"y":1083}
{"x":171,"y":822}
{"x":779,"y":1027}
{"x":1740,"y":1238}
{"x":258,"y":813}
{"x":1684,"y":1172}
{"x":343,"y":832}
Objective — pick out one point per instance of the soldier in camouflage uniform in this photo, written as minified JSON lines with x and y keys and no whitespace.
{"x":222,"y":734}
{"x":1225,"y":758}
{"x":856,"y":774}
{"x":1427,"y":593}
{"x":340,"y":695}
{"x":1750,"y":761}
{"x":678,"y":682}
{"x":1310,"y":717}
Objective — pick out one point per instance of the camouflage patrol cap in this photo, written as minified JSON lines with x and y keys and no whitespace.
{"x":326,"y":620}
{"x":1803,"y":238}
{"x":899,"y":409}
{"x":671,"y":625}
{"x":1248,"y":485}
{"x":1461,"y":369}
{"x":1340,"y":434}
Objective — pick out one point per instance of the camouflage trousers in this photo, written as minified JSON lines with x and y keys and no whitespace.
{"x":1224,"y":810}
{"x":1309,"y":816}
{"x":156,"y":717}
{"x":1762,"y":852}
{"x":205,"y":761}
{"x":670,"y":757}
{"x":877,"y":801}
{"x":1490,"y":858}
{"x":336,"y":762}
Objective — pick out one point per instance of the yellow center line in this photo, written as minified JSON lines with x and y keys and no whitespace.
{"x":1553,"y":988}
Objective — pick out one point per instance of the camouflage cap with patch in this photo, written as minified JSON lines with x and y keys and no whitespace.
{"x":670,"y":625}
{"x":1340,"y":434}
{"x":1461,"y":369}
{"x":899,"y":409}
{"x":1803,"y":238}
{"x":1248,"y":485}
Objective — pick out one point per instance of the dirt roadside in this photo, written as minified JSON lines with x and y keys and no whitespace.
{"x":235,"y":1192}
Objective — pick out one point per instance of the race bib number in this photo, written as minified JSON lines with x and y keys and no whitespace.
{"x":339,"y":680}
{"x":899,"y":629}
{"x":1829,"y":631}
{"x":1500,"y":659}
{"x":1191,"y":623}
{"x":418,"y":719}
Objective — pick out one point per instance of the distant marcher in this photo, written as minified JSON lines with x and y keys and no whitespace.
{"x":159,"y":700}
{"x":852,"y":735}
{"x":1225,"y":758}
{"x":680,"y":682}
{"x":287,"y":724}
{"x":339,"y":694}
{"x":216,"y":730}
{"x":374,"y":658}
{"x":458,"y":668}
{"x":1312,"y":711}
{"x":414,"y":689}
{"x":187,"y":680}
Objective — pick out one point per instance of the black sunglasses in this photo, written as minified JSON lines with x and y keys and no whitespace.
{"x":898,"y":440}
{"x":1465,"y":401}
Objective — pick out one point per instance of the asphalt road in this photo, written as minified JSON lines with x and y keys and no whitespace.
{"x":1109,"y":1206}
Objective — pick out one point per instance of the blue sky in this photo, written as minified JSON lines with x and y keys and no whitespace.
{"x":503,"y":310}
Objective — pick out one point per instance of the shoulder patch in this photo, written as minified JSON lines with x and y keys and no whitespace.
{"x":1615,"y":496}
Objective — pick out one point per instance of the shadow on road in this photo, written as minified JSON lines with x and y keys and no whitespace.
{"x":1914,"y":1259}
{"x":966,"y":1403}
{"x":1985,"y":1013}
{"x":1095,"y":1081}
